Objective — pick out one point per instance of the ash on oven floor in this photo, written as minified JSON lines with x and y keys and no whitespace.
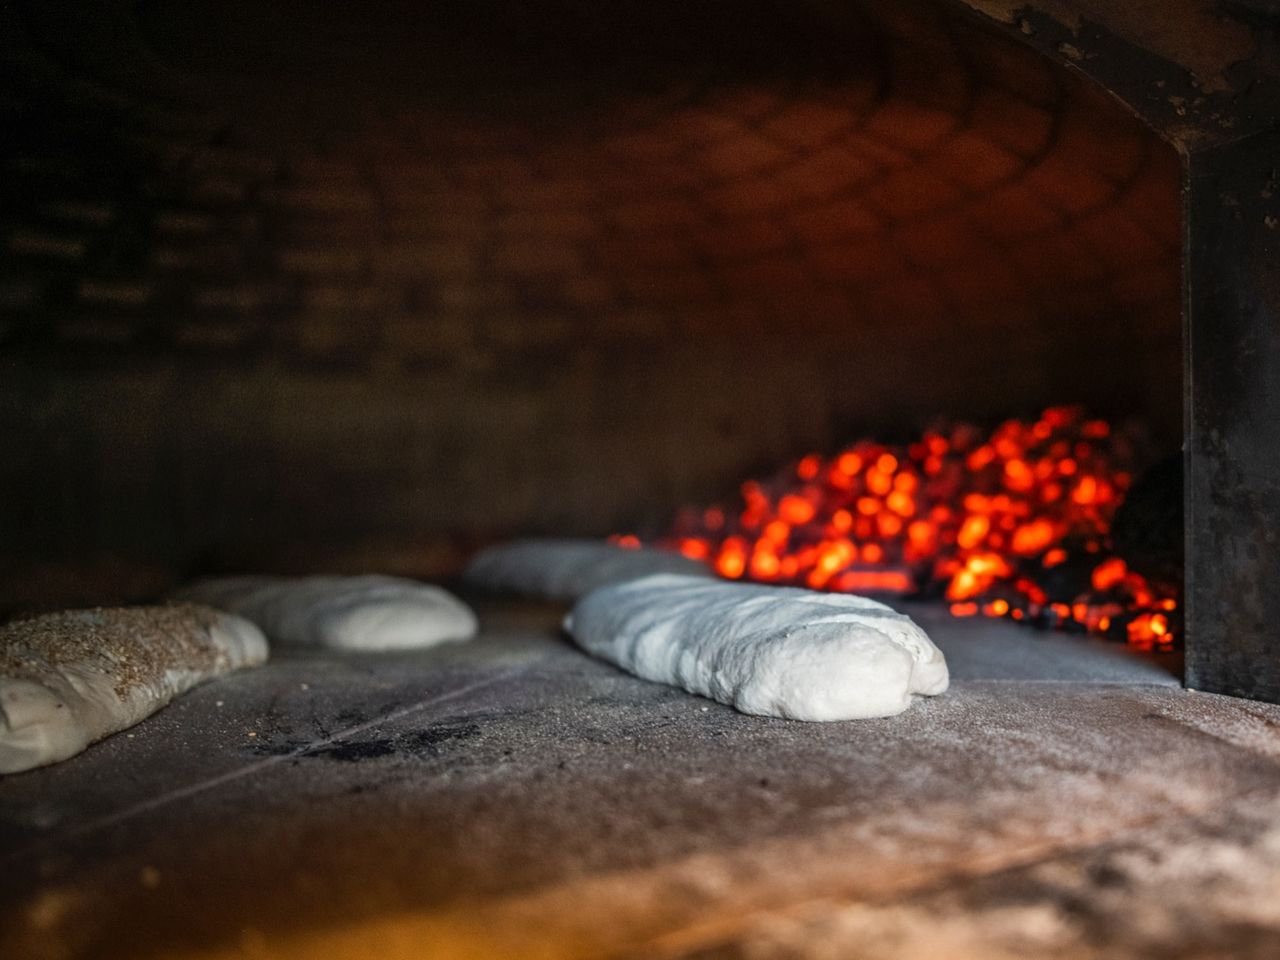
{"x":512,"y":797}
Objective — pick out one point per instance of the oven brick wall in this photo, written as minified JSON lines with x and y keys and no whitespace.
{"x":243,"y":313}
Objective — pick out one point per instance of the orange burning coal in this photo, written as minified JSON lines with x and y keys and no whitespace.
{"x":1012,"y":523}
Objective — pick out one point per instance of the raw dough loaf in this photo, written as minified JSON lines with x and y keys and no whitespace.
{"x":774,"y":651}
{"x":68,"y":679}
{"x":346,"y":613}
{"x":568,"y":569}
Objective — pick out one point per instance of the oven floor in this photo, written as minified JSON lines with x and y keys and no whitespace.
{"x":512,"y":798}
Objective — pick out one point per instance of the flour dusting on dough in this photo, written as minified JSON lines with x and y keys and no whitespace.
{"x":774,"y":651}
{"x":342,"y":613}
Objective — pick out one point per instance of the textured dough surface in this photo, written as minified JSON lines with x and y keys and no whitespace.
{"x":567,"y":569}
{"x":346,"y":613}
{"x":68,"y":679}
{"x":773,"y":651}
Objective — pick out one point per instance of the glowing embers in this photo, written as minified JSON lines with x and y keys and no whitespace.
{"x":1011,"y":524}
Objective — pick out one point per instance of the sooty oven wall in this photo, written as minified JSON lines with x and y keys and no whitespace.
{"x":359,"y":284}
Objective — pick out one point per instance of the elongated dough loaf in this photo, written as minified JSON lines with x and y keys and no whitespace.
{"x":567,"y":569}
{"x":342,"y":613}
{"x":774,"y":651}
{"x":68,"y":679}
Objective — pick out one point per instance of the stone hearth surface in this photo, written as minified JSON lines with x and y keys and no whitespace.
{"x":512,"y":797}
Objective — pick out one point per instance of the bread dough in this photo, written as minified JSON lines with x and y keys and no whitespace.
{"x":567,"y":569}
{"x":773,"y":651}
{"x":346,"y":613}
{"x":68,"y":679}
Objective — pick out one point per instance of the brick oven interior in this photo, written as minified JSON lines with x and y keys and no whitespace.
{"x":368,"y":289}
{"x":299,"y":287}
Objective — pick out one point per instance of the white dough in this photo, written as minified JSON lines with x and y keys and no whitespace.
{"x":773,"y":651}
{"x":68,"y":679}
{"x":346,"y":613}
{"x":568,"y":569}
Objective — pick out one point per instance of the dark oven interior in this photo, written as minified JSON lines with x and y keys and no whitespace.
{"x":342,"y":287}
{"x":364,"y":288}
{"x":367,"y":287}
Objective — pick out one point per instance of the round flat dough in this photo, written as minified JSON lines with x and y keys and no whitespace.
{"x":344,"y":613}
{"x":773,"y":651}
